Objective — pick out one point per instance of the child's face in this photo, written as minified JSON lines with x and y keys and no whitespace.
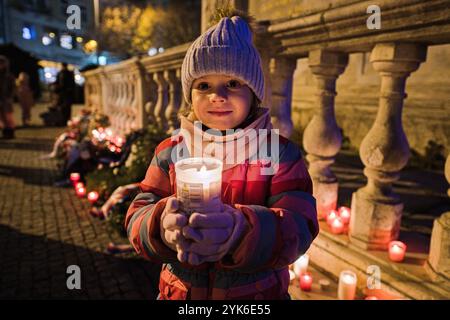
{"x":221,"y":102}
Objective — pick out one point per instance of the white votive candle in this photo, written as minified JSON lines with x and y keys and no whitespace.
{"x":301,"y":265}
{"x":199,"y":184}
{"x":291,"y":275}
{"x":347,"y":285}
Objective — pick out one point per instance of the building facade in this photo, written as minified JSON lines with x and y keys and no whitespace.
{"x":43,"y":28}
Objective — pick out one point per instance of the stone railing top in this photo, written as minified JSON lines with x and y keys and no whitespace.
{"x":171,"y":58}
{"x":123,"y":66}
{"x":93,"y":72}
{"x":344,"y":28}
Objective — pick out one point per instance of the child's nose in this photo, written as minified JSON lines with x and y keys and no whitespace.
{"x":218,"y":95}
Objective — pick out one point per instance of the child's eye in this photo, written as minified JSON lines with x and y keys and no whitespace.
{"x":234,"y":84}
{"x":203,"y":86}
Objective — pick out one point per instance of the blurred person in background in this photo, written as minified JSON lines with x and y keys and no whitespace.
{"x":7,"y":90}
{"x":25,"y":97}
{"x":65,"y":88}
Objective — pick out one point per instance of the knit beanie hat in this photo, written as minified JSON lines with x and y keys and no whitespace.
{"x":225,"y":48}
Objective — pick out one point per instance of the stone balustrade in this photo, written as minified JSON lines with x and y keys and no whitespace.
{"x":123,"y":95}
{"x":138,"y":91}
{"x":439,"y":258}
{"x":143,"y":90}
{"x":93,"y":90}
{"x":326,"y":38}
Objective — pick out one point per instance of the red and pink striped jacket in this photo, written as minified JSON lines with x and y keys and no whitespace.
{"x":279,"y":208}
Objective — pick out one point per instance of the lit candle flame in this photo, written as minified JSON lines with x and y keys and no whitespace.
{"x":348,"y":278}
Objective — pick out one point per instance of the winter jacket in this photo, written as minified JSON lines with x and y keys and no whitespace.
{"x":280,"y":211}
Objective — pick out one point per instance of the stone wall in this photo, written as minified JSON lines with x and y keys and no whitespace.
{"x":282,"y":9}
{"x":426,"y":113}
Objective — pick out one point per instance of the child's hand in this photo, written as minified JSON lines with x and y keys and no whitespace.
{"x":172,"y":222}
{"x":214,"y":234}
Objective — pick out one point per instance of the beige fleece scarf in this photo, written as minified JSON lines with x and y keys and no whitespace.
{"x":233,"y":148}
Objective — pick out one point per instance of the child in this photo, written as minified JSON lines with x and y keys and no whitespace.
{"x":243,"y":250}
{"x":25,"y":97}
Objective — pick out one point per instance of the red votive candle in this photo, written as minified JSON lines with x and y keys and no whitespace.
{"x":306,"y":281}
{"x":333,"y":214}
{"x":397,"y":251}
{"x":344,"y":214}
{"x":79,"y":185}
{"x":74,"y":177}
{"x":337,"y":226}
{"x":92,"y":197}
{"x":81,"y":192}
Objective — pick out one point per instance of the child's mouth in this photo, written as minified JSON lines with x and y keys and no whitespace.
{"x":220,"y":113}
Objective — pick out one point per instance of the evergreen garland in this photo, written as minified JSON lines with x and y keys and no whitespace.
{"x":107,"y":179}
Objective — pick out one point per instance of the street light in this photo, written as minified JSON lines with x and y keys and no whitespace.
{"x":90,"y":46}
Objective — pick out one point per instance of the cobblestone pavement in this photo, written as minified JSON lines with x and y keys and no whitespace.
{"x":44,"y":229}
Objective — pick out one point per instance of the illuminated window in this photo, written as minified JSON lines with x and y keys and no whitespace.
{"x":66,"y":41}
{"x":102,"y":60}
{"x":46,"y":40}
{"x":79,"y":79}
{"x":28,"y":32}
{"x":50,"y":74}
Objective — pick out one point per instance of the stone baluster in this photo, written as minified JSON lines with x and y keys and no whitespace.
{"x":322,"y":138}
{"x":174,"y":99}
{"x":105,"y":94}
{"x":141,"y":93}
{"x":131,"y":90}
{"x":184,"y":106}
{"x":376,"y":209}
{"x":119,"y":86}
{"x":116,"y":107}
{"x":125,"y":90}
{"x":151,"y":98}
{"x":135,"y":104}
{"x":447,"y":172}
{"x":131,"y":105}
{"x":281,"y":71}
{"x":161,"y":101}
{"x":126,"y":106}
{"x":438,"y":263}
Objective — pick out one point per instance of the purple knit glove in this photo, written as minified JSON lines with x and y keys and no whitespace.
{"x":172,"y":222}
{"x":213,"y":235}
